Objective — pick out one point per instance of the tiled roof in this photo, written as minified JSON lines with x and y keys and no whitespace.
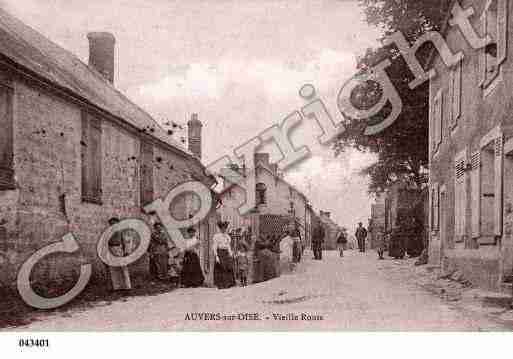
{"x":26,"y":47}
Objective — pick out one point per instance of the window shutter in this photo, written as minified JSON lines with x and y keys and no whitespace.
{"x":91,"y":155}
{"x":146,"y":173}
{"x":475,"y":184}
{"x":482,"y":52}
{"x":502,"y":30}
{"x":456,"y":94}
{"x":440,"y":111}
{"x":435,"y":210}
{"x":95,"y":158}
{"x":86,"y":193}
{"x":499,"y":143}
{"x":460,"y":197}
{"x":6,"y":139}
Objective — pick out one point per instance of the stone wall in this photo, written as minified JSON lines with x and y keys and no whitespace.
{"x":47,"y":203}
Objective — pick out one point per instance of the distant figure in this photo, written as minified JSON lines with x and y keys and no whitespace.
{"x":297,"y":246}
{"x":119,"y":276}
{"x":191,"y":275}
{"x":317,"y":241}
{"x":380,"y":243}
{"x":341,"y":243}
{"x":242,"y":264}
{"x":224,"y":276}
{"x":361,"y":235}
{"x":159,"y":252}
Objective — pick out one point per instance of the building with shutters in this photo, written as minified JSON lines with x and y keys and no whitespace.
{"x":74,"y":152}
{"x":274,"y":196}
{"x":471,"y":150}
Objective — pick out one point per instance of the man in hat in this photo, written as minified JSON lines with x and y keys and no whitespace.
{"x":317,"y":241}
{"x":361,"y":235}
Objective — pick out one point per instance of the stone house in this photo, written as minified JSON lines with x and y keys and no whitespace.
{"x":74,"y":152}
{"x":274,"y":196}
{"x":471,"y":151}
{"x":278,"y":204}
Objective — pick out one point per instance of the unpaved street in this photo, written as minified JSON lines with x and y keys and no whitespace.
{"x":355,"y":293}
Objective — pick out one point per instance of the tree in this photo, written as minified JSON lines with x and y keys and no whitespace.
{"x":402,"y":149}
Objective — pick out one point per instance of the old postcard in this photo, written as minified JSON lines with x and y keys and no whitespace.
{"x":255,"y":166}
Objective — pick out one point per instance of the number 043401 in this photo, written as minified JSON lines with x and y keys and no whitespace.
{"x":33,"y":343}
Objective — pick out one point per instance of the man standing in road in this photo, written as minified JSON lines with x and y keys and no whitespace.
{"x":361,"y":235}
{"x":317,"y":240}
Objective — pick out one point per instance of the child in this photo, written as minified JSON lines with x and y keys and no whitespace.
{"x":242,"y":264}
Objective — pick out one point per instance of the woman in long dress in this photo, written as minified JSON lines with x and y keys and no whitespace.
{"x":119,"y":276}
{"x":192,"y":275}
{"x":159,"y":252}
{"x":224,"y":276}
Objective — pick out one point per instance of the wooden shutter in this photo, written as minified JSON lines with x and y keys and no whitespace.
{"x":146,"y":173}
{"x":439,"y":118}
{"x":96,"y":158}
{"x":455,"y":94}
{"x":6,"y":139}
{"x":460,"y":196}
{"x":84,"y":154}
{"x":475,"y":186}
{"x":502,"y":30}
{"x":498,"y":163}
{"x":435,"y":201}
{"x":91,"y":154}
{"x":482,"y":51}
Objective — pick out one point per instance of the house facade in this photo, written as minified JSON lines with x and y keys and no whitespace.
{"x":75,"y":152}
{"x":274,"y":196}
{"x":471,"y":151}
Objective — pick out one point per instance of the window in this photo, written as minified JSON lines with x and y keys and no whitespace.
{"x":455,"y":88}
{"x":437,"y":120}
{"x":261,"y":190}
{"x":146,"y":173}
{"x":91,"y":159}
{"x":6,"y":138}
{"x":460,"y":196}
{"x":494,"y":22}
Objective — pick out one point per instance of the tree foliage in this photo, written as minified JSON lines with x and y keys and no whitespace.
{"x":402,"y":149}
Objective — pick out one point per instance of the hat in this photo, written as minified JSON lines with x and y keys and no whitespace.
{"x":223,"y":224}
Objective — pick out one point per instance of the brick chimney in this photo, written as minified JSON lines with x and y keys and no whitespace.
{"x":101,"y":53}
{"x":194,"y":127}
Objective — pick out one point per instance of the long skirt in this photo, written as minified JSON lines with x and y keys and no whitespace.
{"x":224,"y":277}
{"x":267,"y":265}
{"x":296,"y":252}
{"x":159,"y":265}
{"x":119,"y":276}
{"x":192,"y":275}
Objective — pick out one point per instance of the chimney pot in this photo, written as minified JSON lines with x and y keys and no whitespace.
{"x":101,"y":53}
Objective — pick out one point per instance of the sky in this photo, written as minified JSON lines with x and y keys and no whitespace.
{"x":238,"y":64}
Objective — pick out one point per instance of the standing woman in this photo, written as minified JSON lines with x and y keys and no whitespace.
{"x":224,"y":276}
{"x":119,"y":276}
{"x":192,"y":274}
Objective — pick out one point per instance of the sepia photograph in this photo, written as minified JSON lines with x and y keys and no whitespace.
{"x":170,"y":166}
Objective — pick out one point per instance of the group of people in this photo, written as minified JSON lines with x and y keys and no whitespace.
{"x":168,"y":262}
{"x":182,"y":266}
